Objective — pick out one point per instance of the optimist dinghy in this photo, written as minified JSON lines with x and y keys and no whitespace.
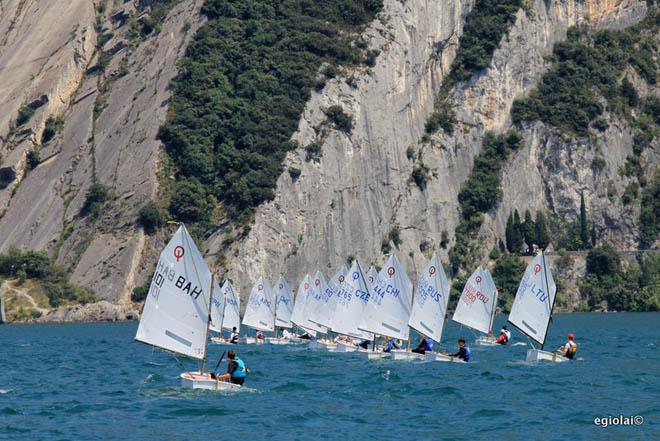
{"x":177,"y":312}
{"x":231,"y":317}
{"x":260,"y":311}
{"x":476,"y":306}
{"x":532,"y":308}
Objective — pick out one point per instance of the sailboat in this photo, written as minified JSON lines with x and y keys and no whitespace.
{"x":388,"y":309}
{"x":304,"y":303}
{"x":283,"y":310}
{"x":176,"y":313}
{"x":260,"y":311}
{"x":428,"y":310}
{"x":477,"y":304}
{"x":325,"y":308}
{"x":231,"y":317}
{"x":352,"y":299}
{"x":532,"y":308}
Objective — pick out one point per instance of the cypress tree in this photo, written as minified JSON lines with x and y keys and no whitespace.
{"x":529,"y":232}
{"x":517,"y":240}
{"x":593,"y":234}
{"x":584,"y":228}
{"x":509,"y":233}
{"x":542,"y":236}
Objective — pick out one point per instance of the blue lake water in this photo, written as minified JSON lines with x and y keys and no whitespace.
{"x":93,"y":381}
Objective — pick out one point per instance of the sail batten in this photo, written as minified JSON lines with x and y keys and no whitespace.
{"x":532,"y":306}
{"x":175,"y":316}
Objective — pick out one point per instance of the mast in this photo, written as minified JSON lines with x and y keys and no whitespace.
{"x":208,"y":323}
{"x":492,"y":314}
{"x":547,"y":290}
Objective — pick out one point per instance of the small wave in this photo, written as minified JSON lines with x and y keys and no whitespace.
{"x":291,"y":386}
{"x":5,"y":391}
{"x":520,"y":343}
{"x":9,"y":411}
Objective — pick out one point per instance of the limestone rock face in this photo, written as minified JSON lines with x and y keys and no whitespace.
{"x":102,"y":311}
{"x":342,"y":205}
{"x":346,"y":203}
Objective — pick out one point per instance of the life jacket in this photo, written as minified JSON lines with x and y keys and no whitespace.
{"x":390,"y":345}
{"x":240,"y":371}
{"x":572,"y":349}
{"x":429,"y":345}
{"x":468,"y":353}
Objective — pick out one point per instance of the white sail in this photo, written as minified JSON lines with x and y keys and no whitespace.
{"x":217,"y":307}
{"x":430,"y":302}
{"x":176,"y":312}
{"x":232,"y":318}
{"x":260,"y":311}
{"x":284,"y":306}
{"x":315,"y":307}
{"x":372,"y":275}
{"x":492,"y":288}
{"x":388,"y":310}
{"x":532,"y":306}
{"x":475,"y":306}
{"x":299,"y":315}
{"x":352,"y":299}
{"x":325,"y":310}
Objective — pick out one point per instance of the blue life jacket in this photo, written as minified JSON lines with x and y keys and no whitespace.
{"x":429,"y":345}
{"x":390,"y":345}
{"x":468,"y":353}
{"x":240,"y":371}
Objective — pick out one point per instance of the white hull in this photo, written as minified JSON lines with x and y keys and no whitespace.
{"x":220,"y":341}
{"x":377,"y":355}
{"x":402,"y":354}
{"x":195,"y":380}
{"x":534,"y":355}
{"x":278,"y":341}
{"x":344,"y":347}
{"x":486,"y":341}
{"x":253,"y":341}
{"x":434,"y":356}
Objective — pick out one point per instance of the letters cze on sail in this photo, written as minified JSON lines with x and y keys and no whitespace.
{"x":176,"y":311}
{"x":431,"y":298}
{"x":388,"y":310}
{"x":532,"y":306}
{"x":232,"y":316}
{"x":260,"y":311}
{"x":284,"y":307}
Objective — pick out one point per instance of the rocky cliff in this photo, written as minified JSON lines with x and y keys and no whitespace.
{"x":107,"y":80}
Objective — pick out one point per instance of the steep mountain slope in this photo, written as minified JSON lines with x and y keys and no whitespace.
{"x":84,"y":101}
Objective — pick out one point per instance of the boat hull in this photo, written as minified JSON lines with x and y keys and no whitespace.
{"x":343,"y":347}
{"x":253,"y":341}
{"x":486,"y":341}
{"x":433,"y":356}
{"x":278,"y":341}
{"x":195,"y":380}
{"x":221,"y":341}
{"x":535,"y":355}
{"x":378,"y":355}
{"x":402,"y":354}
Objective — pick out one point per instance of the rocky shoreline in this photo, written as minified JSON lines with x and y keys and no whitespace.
{"x":102,"y":311}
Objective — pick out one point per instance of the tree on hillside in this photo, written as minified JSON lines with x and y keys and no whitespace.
{"x":528,"y":230}
{"x":517,"y":239}
{"x":584,"y":228}
{"x":542,"y":235}
{"x":509,"y":233}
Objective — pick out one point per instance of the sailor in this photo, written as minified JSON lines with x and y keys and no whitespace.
{"x":236,"y":370}
{"x":286,"y":335}
{"x":426,"y":345}
{"x":389,"y":345}
{"x":364,"y":344}
{"x":260,"y":337}
{"x":233,"y":338}
{"x":464,"y":353}
{"x":570,"y":348}
{"x":505,"y":336}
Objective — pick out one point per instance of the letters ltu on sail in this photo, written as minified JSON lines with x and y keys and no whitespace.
{"x":325,"y":310}
{"x":430,"y":302}
{"x":218,"y":304}
{"x":351,"y":302}
{"x":284,"y":307}
{"x":232,"y":318}
{"x":176,"y":312}
{"x":532,"y":306}
{"x":260,"y":311}
{"x":477,"y":302}
{"x":388,"y":310}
